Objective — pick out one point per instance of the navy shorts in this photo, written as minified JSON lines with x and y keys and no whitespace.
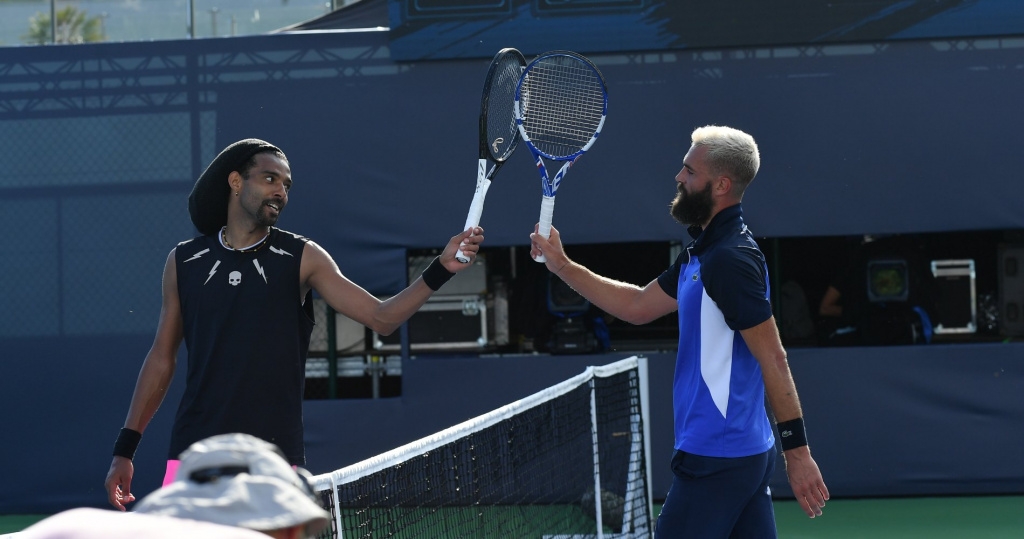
{"x":719,"y":498}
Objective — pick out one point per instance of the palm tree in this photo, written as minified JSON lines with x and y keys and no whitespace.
{"x":73,"y":26}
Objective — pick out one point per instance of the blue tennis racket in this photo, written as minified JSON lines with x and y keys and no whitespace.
{"x":561,"y":103}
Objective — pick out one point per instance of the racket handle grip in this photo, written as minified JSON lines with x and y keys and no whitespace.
{"x":547,"y":210}
{"x":476,"y":208}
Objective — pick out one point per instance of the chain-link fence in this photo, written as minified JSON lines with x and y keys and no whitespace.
{"x":91,"y":208}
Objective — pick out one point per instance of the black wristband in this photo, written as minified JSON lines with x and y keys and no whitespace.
{"x":436,"y":275}
{"x":793,"y":433}
{"x":126,"y":444}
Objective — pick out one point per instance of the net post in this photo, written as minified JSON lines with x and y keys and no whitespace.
{"x":597,"y":460}
{"x":631,"y":511}
{"x":636,"y":509}
{"x":645,"y":401}
{"x":337,"y":508}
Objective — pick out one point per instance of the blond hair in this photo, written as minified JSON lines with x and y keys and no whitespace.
{"x":730,"y":152}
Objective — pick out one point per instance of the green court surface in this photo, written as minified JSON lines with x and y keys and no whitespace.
{"x":978,"y":517}
{"x":16,"y":523}
{"x":981,"y":517}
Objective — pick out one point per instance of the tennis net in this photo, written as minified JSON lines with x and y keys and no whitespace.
{"x":527,"y":469}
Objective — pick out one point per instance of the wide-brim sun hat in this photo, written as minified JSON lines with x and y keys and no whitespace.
{"x":244,"y":501}
{"x":208,"y":202}
{"x":238,"y":480}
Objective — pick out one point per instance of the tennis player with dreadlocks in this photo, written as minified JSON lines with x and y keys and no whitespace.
{"x":240,"y":296}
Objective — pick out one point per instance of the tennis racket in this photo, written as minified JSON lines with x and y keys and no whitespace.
{"x":560,"y":106}
{"x":499,"y":135}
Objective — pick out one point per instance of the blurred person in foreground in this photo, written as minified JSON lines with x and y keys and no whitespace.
{"x":90,"y":523}
{"x":240,"y":296}
{"x":240,"y":480}
{"x":729,"y":353}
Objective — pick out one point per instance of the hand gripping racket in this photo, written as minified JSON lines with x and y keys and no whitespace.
{"x":499,"y":135}
{"x":560,"y":106}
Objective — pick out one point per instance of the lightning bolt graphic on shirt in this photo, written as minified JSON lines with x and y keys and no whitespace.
{"x":280,"y":251}
{"x":212,"y":271}
{"x":260,"y":270}
{"x":197,"y":255}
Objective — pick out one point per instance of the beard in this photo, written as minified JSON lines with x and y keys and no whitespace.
{"x":266,"y":216}
{"x":692,"y":208}
{"x":260,"y":211}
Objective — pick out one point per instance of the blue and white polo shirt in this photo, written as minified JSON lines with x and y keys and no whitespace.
{"x":720,"y":282}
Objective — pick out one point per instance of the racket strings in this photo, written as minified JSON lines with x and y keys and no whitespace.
{"x":562,"y":102}
{"x":502,"y":131}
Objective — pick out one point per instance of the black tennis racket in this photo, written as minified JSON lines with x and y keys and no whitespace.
{"x":560,"y":105}
{"x":499,"y":135}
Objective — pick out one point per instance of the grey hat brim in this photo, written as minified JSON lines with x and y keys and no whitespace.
{"x":245,"y":501}
{"x":208,"y":202}
{"x":268,"y":495}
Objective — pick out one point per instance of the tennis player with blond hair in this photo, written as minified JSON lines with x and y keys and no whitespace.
{"x":729,"y":355}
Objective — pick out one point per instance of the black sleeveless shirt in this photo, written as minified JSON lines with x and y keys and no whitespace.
{"x":247,"y":336}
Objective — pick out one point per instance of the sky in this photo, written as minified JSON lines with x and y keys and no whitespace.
{"x":145,"y":20}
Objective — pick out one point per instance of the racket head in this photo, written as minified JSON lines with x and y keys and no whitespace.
{"x":561,"y":102}
{"x":499,"y":134}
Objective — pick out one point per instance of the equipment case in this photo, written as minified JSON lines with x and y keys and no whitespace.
{"x":445,"y":322}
